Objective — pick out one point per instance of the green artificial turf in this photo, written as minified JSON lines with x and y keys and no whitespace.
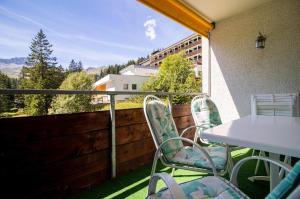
{"x":134,"y":184}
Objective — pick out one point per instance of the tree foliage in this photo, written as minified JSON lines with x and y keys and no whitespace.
{"x":175,"y":75}
{"x":75,"y":67}
{"x":74,"y":103}
{"x":40,"y":73}
{"x":113,"y":69}
{"x":6,"y":101}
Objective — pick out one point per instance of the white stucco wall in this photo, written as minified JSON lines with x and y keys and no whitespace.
{"x":116,"y":83}
{"x":238,"y":69}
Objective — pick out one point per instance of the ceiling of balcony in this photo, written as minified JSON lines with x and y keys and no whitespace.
{"x":216,"y":10}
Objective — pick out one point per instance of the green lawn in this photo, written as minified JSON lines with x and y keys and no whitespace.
{"x":124,"y":105}
{"x":134,"y":184}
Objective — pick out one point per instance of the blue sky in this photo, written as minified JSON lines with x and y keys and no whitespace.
{"x":97,"y":32}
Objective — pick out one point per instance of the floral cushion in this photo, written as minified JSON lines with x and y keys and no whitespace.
{"x":287,"y":185}
{"x":205,"y":112}
{"x":192,"y":156}
{"x":207,"y":187}
{"x":163,"y":127}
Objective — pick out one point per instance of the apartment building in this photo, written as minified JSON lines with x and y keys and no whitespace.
{"x":190,"y":45}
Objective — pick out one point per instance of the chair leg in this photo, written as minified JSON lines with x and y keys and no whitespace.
{"x":173,"y":171}
{"x":287,"y":160}
{"x":230,"y":165}
{"x":266,"y":164}
{"x":154,"y":165}
{"x":196,"y":137}
{"x":257,"y":163}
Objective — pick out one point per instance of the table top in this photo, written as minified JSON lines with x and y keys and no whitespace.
{"x":276,"y":134}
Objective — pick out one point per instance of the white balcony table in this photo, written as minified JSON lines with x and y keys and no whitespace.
{"x":274,"y":134}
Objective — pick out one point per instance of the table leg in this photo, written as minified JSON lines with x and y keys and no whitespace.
{"x":274,"y":171}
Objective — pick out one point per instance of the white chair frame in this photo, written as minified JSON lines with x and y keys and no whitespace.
{"x":203,"y":141}
{"x":177,"y":193}
{"x":289,"y":100}
{"x":159,"y":154}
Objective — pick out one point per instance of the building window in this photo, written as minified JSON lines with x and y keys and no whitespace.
{"x":182,"y":45}
{"x":195,"y":39}
{"x":133,"y":86}
{"x":125,"y":86}
{"x":176,"y":48}
{"x":165,"y":53}
{"x":190,"y":42}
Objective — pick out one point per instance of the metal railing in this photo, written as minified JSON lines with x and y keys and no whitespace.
{"x":112,"y":95}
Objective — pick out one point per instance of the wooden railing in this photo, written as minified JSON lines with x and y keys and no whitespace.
{"x":55,"y":155}
{"x":58,"y":154}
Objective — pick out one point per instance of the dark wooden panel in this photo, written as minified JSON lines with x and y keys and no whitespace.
{"x":135,"y":163}
{"x":55,"y":155}
{"x":184,"y":122}
{"x":43,"y":127}
{"x":129,"y":117}
{"x":135,"y":149}
{"x":132,"y":133}
{"x":55,"y":149}
{"x":181,"y":110}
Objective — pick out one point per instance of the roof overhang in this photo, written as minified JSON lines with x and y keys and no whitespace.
{"x":182,"y":13}
{"x":200,"y":15}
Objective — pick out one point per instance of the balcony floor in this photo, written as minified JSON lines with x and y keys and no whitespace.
{"x":134,"y":184}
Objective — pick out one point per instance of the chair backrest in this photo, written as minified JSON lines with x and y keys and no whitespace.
{"x":287,"y":185}
{"x":205,"y":112}
{"x":275,"y":104}
{"x":162,"y":125}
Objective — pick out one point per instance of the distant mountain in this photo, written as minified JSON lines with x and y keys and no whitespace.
{"x":15,"y":60}
{"x":95,"y":70}
{"x":12,"y":67}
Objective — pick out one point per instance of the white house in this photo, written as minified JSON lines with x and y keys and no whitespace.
{"x":130,"y":79}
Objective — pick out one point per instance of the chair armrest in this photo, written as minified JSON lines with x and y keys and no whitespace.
{"x":236,"y":168}
{"x":195,"y":126}
{"x":158,"y":151}
{"x":173,"y":187}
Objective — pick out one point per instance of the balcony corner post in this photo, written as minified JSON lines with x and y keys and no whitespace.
{"x":113,"y":136}
{"x":170,"y":103}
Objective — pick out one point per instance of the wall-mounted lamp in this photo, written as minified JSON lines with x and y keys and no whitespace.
{"x":260,"y":41}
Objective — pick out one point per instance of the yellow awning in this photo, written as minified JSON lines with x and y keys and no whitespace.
{"x":181,"y":13}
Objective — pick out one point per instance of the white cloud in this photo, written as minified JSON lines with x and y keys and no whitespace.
{"x":150,"y":26}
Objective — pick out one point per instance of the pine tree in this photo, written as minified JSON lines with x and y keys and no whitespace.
{"x":72,"y":66}
{"x":6,"y":101}
{"x":75,"y":67}
{"x":40,"y":73}
{"x":79,"y":66}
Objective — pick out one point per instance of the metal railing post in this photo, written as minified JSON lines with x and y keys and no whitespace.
{"x":113,"y":136}
{"x":170,"y":103}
